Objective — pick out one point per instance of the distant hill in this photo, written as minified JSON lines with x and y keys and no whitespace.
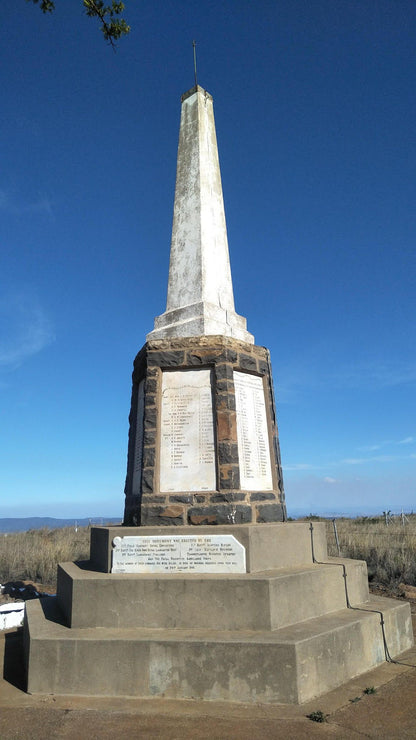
{"x":22,"y":524}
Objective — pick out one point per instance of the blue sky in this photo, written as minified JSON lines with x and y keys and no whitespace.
{"x":315,"y":112}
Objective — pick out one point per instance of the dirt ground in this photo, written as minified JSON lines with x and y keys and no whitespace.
{"x":350,"y":713}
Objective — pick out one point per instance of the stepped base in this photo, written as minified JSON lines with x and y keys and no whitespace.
{"x":253,"y":601}
{"x":279,"y":633}
{"x":289,"y":665}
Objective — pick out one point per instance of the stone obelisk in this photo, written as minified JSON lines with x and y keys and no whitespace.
{"x":203,"y":443}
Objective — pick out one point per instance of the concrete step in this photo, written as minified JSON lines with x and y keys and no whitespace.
{"x":289,"y":665}
{"x":268,"y":546}
{"x":260,"y":601}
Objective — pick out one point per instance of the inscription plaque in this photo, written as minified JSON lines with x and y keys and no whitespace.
{"x":218,"y":553}
{"x":252,"y":433}
{"x":187,"y":458}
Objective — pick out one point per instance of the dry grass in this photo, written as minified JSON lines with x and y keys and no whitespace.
{"x":34,"y":555}
{"x":390,"y":551}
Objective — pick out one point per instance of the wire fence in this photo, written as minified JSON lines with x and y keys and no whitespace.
{"x":389,"y":548}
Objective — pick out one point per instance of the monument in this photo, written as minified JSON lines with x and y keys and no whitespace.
{"x":203,"y":442}
{"x":206,"y":592}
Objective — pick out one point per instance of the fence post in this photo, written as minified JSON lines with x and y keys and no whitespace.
{"x":404,"y":518}
{"x":336,"y":536}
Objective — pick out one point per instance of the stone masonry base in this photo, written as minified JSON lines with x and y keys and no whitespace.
{"x":228,"y":504}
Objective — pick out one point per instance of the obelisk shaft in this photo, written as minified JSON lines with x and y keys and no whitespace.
{"x":200,"y":297}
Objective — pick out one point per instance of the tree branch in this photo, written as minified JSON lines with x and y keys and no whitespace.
{"x":112,"y":26}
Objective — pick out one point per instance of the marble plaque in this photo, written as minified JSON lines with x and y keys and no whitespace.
{"x":187,"y":457}
{"x":138,"y":447}
{"x":252,"y":433}
{"x":218,"y":553}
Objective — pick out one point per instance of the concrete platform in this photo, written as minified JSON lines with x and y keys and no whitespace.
{"x":389,"y":713}
{"x":289,"y":665}
{"x":268,"y":546}
{"x":282,"y":633}
{"x":260,"y":601}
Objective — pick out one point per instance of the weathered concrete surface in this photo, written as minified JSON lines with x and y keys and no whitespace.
{"x":262,"y":601}
{"x":288,"y":665}
{"x":280,"y":633}
{"x":272,"y":546}
{"x":200,"y":294}
{"x":388,"y":714}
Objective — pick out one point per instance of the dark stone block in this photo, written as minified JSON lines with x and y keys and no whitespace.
{"x":162,"y":516}
{"x":263,"y":367}
{"x":138,"y":374}
{"x":131,"y":518}
{"x":247,"y":362}
{"x":230,"y":356}
{"x":132,"y":511}
{"x":150,"y":400}
{"x":200,"y":498}
{"x":166,"y":359}
{"x":220,"y":514}
{"x":150,"y":417}
{"x":262,"y":497}
{"x":218,"y":498}
{"x":204,"y":356}
{"x":140,"y":359}
{"x":149,"y":454}
{"x":224,"y":386}
{"x":186,"y":498}
{"x":228,"y":453}
{"x":147,"y":480}
{"x":242,"y":515}
{"x":225,"y":401}
{"x":155,"y":499}
{"x":270,"y":513}
{"x":201,"y":516}
{"x":149,"y":438}
{"x":133,"y":501}
{"x":229,"y":477}
{"x":224,"y":370}
{"x":151,"y":386}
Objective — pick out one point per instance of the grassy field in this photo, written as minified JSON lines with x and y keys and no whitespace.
{"x":34,"y":555}
{"x":390,"y":550}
